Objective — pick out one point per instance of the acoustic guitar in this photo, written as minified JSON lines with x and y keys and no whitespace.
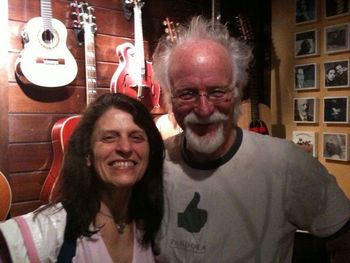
{"x":133,"y":76}
{"x":5,"y":197}
{"x":255,"y":116}
{"x":63,"y":128}
{"x":45,"y":60}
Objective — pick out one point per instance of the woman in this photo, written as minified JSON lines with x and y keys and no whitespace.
{"x":110,"y":194}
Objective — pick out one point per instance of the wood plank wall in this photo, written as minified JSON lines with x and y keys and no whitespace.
{"x":28,"y":113}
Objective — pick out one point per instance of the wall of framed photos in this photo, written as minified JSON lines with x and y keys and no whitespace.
{"x":310,"y":81}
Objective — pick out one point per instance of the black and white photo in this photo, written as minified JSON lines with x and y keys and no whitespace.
{"x":336,"y":109}
{"x":336,"y":146}
{"x":306,"y":43}
{"x":305,"y":11}
{"x":335,"y":8}
{"x":336,"y":38}
{"x":305,"y":77}
{"x":305,"y":110}
{"x":336,"y":74}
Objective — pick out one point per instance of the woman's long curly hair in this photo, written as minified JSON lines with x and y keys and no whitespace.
{"x":79,"y":186}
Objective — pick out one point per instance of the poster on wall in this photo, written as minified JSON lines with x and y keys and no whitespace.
{"x":336,"y":109}
{"x":336,"y":146}
{"x":335,"y":8}
{"x":307,"y":141}
{"x":336,"y":38}
{"x":305,"y":11}
{"x":305,"y":110}
{"x":306,"y":43}
{"x":305,"y":77}
{"x":336,"y":74}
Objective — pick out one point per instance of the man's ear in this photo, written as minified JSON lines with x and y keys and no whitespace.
{"x":88,"y":160}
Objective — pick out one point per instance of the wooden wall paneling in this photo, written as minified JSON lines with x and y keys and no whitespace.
{"x":34,"y":156}
{"x":27,"y":185}
{"x":20,"y":208}
{"x":3,"y":87}
{"x":32,"y":127}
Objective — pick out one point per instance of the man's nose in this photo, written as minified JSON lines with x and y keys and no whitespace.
{"x":204,"y":107}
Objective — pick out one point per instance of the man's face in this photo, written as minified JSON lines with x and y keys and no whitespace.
{"x":339,"y":69}
{"x":201,"y":67}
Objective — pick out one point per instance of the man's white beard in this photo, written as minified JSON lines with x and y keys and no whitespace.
{"x":208,"y":143}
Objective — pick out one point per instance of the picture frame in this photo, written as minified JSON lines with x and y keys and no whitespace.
{"x":336,"y":74}
{"x":335,"y":146}
{"x":305,"y":110}
{"x":336,"y":109}
{"x":336,"y":8}
{"x":336,"y":38}
{"x":307,"y":140}
{"x":305,"y":77}
{"x":306,"y":43}
{"x":305,"y":11}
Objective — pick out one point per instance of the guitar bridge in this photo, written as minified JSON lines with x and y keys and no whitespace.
{"x":51,"y":61}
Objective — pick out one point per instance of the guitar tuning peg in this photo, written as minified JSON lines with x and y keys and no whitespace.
{"x":74,"y":15}
{"x":73,"y":4}
{"x":76,"y":24}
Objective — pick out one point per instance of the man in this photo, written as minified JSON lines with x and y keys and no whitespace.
{"x":341,"y":76}
{"x":232,"y":195}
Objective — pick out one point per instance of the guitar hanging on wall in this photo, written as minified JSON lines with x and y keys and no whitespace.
{"x":133,"y":76}
{"x":45,"y":60}
{"x":5,"y":197}
{"x":63,"y":128}
{"x":252,"y":109}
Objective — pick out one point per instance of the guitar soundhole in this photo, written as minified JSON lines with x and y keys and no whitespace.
{"x":47,"y":37}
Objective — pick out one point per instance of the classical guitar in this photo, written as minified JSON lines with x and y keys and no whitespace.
{"x":133,"y":76}
{"x":45,"y":60}
{"x":255,"y":115}
{"x":5,"y":197}
{"x":63,"y":128}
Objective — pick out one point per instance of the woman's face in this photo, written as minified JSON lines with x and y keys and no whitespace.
{"x":120,"y":149}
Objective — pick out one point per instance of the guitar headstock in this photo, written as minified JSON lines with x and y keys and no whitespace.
{"x":83,"y":18}
{"x":171,"y":29}
{"x":245,"y":27}
{"x":133,"y":3}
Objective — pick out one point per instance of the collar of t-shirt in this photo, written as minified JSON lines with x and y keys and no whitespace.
{"x":213,"y":164}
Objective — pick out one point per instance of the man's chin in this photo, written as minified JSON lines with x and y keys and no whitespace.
{"x":208,"y":143}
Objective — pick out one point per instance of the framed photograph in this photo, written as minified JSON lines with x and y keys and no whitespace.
{"x":306,"y":43}
{"x":305,"y":11}
{"x":336,"y":38}
{"x":336,"y":74}
{"x":307,"y":141}
{"x":305,"y":110}
{"x":305,"y":77}
{"x":336,"y":146}
{"x":336,"y":109}
{"x":335,"y":8}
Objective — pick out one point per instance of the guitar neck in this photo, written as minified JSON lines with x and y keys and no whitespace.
{"x":90,"y":66}
{"x":254,"y":95}
{"x":139,"y":51}
{"x":46,"y":14}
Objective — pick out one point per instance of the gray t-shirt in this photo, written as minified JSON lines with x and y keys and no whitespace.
{"x":246,"y":206}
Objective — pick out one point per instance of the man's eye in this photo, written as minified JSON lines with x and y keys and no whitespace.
{"x":217,"y":93}
{"x":187,"y":95}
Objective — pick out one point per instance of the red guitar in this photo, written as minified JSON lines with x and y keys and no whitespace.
{"x":252,"y":107}
{"x":133,"y":76}
{"x":63,"y":128}
{"x":5,"y":197}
